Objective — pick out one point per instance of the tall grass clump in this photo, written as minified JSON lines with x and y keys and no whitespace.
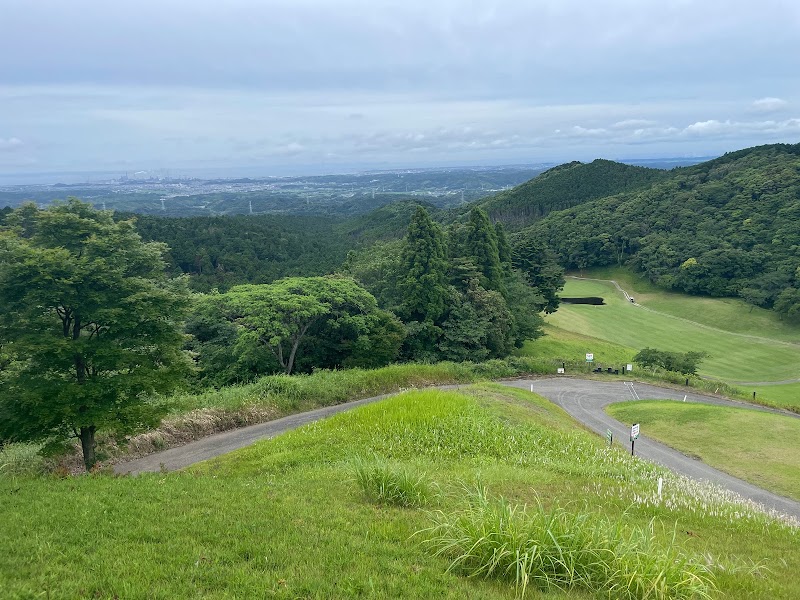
{"x":556,"y":549}
{"x":21,"y":460}
{"x":397,"y":485}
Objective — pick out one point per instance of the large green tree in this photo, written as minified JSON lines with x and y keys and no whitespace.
{"x":280,"y":315}
{"x":93,"y":325}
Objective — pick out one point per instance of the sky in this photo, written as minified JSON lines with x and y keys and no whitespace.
{"x":322,"y":86}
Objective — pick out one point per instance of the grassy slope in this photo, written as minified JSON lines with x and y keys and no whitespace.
{"x":730,"y":314}
{"x":732,"y":357}
{"x":761,"y":448}
{"x":284,"y":519}
{"x":571,"y":347}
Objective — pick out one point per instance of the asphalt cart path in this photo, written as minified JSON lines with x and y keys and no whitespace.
{"x":586,"y":400}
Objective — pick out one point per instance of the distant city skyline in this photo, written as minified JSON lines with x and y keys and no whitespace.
{"x":307,"y":87}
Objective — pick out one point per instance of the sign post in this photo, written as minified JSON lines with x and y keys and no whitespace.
{"x":609,"y":437}
{"x":589,"y":357}
{"x":634,"y":435}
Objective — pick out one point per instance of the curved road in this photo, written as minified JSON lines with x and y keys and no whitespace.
{"x":585,"y":400}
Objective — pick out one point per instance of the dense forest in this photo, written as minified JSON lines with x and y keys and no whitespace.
{"x":223,"y":251}
{"x":565,"y":186}
{"x":726,"y":227}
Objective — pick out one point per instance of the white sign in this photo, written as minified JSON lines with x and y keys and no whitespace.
{"x":635,"y":431}
{"x":560,"y":370}
{"x":589,"y":357}
{"x":630,"y":367}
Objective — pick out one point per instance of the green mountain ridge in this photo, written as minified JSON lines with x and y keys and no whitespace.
{"x":565,"y":186}
{"x":726,"y":227}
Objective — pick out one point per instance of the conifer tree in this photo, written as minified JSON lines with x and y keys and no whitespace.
{"x":423,"y":283}
{"x":481,"y":244}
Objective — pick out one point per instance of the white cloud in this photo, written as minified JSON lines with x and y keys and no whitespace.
{"x":633,"y":124}
{"x":9,"y":144}
{"x":714,"y":129}
{"x":768,"y":105}
{"x":578,"y":131}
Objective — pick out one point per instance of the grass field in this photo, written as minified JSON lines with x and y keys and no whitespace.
{"x":286,"y":518}
{"x":731,"y":358}
{"x":562,"y":345}
{"x":730,"y":314}
{"x":762,"y":448}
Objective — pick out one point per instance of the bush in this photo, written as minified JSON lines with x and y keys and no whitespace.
{"x":679,"y":362}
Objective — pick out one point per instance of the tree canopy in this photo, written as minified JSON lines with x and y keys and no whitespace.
{"x":90,"y":323}
{"x":280,"y":315}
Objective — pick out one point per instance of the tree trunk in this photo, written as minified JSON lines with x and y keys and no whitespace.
{"x":87,"y":445}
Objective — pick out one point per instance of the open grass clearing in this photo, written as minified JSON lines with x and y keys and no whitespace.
{"x":286,"y":518}
{"x":570,"y":347}
{"x":729,"y":314}
{"x":760,"y":447}
{"x":731,"y":357}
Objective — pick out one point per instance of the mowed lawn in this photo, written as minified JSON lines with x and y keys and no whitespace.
{"x":731,"y":357}
{"x":760,"y":447}
{"x":571,"y":347}
{"x":730,"y":314}
{"x":285,"y":518}
{"x":787,"y":395}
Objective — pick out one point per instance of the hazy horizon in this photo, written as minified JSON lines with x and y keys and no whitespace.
{"x":292,"y":86}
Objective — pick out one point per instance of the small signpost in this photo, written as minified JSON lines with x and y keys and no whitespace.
{"x":630,"y":367}
{"x":589,"y":357}
{"x":609,"y":437}
{"x":634,"y":435}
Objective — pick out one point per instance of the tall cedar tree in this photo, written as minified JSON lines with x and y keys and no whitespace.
{"x":94,"y":325}
{"x":423,"y":283}
{"x":481,"y":244}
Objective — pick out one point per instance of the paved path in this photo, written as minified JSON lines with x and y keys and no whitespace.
{"x":228,"y":441}
{"x":585,"y":400}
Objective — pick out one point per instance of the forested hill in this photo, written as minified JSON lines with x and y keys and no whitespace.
{"x":565,"y":186}
{"x":223,"y":251}
{"x":726,"y":227}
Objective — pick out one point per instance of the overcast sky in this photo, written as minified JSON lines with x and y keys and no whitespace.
{"x":316,"y":86}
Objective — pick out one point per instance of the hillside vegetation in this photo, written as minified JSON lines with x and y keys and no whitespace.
{"x":296,"y":517}
{"x":565,"y":186}
{"x":726,"y":227}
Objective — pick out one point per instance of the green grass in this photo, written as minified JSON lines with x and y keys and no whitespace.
{"x":286,"y":518}
{"x":731,"y":357}
{"x":562,"y":345}
{"x":759,"y":447}
{"x":560,"y":549}
{"x":730,"y":314}
{"x":385,"y":483}
{"x":783,"y":396}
